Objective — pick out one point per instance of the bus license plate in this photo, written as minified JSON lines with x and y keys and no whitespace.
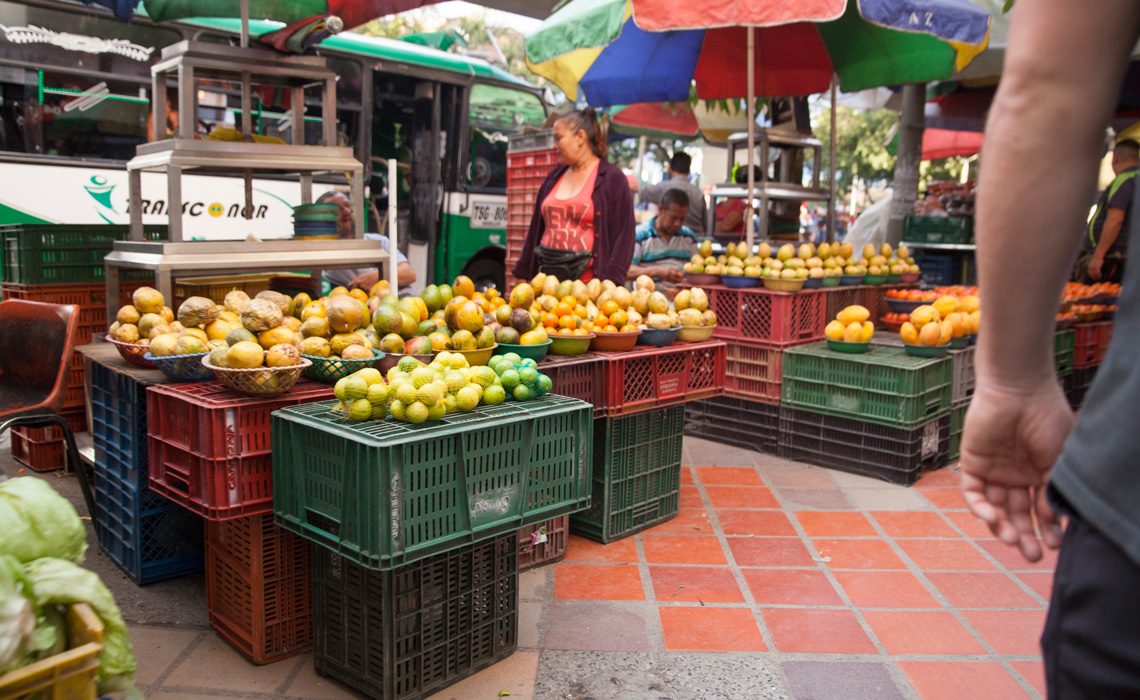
{"x":488,"y":214}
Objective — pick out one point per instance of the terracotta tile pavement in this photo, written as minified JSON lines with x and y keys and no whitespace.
{"x":775,"y":563}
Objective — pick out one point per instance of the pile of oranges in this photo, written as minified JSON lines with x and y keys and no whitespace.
{"x":612,"y":318}
{"x":568,"y":317}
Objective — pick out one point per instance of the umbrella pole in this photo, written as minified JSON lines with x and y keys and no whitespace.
{"x":749,"y":230}
{"x":245,"y":24}
{"x":831,"y":170}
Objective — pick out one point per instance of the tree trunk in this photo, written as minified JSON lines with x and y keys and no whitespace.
{"x":911,"y":126}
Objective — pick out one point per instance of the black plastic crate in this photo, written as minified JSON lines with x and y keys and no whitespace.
{"x":753,"y":425}
{"x":897,"y":455}
{"x":411,"y":631}
{"x":1077,"y":385}
{"x":636,"y":474}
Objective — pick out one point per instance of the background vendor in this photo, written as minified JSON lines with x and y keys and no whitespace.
{"x":1102,"y":258}
{"x":363,"y":278}
{"x":664,"y":243}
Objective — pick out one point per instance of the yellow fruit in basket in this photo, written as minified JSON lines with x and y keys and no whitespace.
{"x":275,"y":336}
{"x":282,"y":355}
{"x":947,"y":332}
{"x":975,"y":321}
{"x":216,"y":330}
{"x":968,"y":304}
{"x":357,"y":352}
{"x":930,"y":335}
{"x":853,"y":314}
{"x":834,"y":331}
{"x":923,"y":315}
{"x":235,"y":300}
{"x":946,"y":305}
{"x":416,"y":412}
{"x":128,"y":314}
{"x":868,"y":331}
{"x":245,"y":355}
{"x":148,"y":300}
{"x":853,"y":333}
{"x":959,"y":323}
{"x":467,"y":398}
{"x":316,"y":346}
{"x":163,"y":345}
{"x":909,"y":333}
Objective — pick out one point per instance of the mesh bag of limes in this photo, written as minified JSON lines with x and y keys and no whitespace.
{"x":415,"y":392}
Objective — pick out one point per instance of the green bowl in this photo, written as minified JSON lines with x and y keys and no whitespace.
{"x":328,"y":370}
{"x":570,"y":344}
{"x":894,"y":279}
{"x":926,"y":350}
{"x":849,"y":348}
{"x":534,"y":352}
{"x":959,"y":343}
{"x":830,"y":282}
{"x":875,"y":279}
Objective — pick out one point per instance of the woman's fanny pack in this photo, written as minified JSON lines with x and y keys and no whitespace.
{"x":563,"y":264}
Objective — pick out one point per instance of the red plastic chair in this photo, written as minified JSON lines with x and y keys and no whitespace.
{"x":36,"y":344}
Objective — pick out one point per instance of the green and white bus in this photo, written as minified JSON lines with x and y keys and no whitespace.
{"x":75,"y":101}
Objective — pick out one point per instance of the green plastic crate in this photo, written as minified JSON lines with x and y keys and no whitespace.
{"x":386,"y":493}
{"x":637,"y":474}
{"x":1065,"y":349}
{"x":957,"y":422}
{"x":938,"y":229}
{"x":64,"y":254}
{"x":883,"y":385}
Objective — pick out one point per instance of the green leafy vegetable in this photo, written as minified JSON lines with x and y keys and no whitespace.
{"x":37,"y":522}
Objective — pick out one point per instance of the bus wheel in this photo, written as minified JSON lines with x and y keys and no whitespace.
{"x":486,"y":272}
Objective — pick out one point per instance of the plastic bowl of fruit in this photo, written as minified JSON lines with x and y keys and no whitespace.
{"x":875,"y":279}
{"x":738,"y":282}
{"x":533,"y":352}
{"x":894,"y":279}
{"x":909,"y":277}
{"x":479,"y":356}
{"x":926,"y":350}
{"x":903,"y":306}
{"x":846,"y":347}
{"x":658,"y":337}
{"x":830,"y":281}
{"x":695,"y":334}
{"x":569,"y":344}
{"x":782,"y":285}
{"x":698,"y":279}
{"x":813,"y":282}
{"x":959,"y":343}
{"x":615,"y":342}
{"x":851,"y":280}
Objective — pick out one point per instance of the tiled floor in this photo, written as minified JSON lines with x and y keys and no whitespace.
{"x":775,"y":580}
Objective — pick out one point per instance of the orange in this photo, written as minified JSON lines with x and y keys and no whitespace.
{"x":629,"y":328}
{"x":601,"y":320}
{"x":568,"y":321}
{"x":581,"y":312}
{"x":609,"y":329}
{"x":563,"y":309}
{"x":580,"y":331}
{"x":619,"y":318}
{"x":550,"y":320}
{"x":609,"y":306}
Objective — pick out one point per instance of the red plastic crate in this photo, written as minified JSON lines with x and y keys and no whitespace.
{"x":754,"y":372}
{"x":579,"y":377}
{"x":772,"y":318}
{"x":212,"y":422}
{"x":1091,"y":343}
{"x":41,"y":449}
{"x":90,"y":298}
{"x":839,"y":298}
{"x":216,"y":489}
{"x":75,"y":392}
{"x":257,"y":588}
{"x":657,"y":377}
{"x":544,"y":543}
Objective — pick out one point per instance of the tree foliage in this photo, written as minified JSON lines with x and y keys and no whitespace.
{"x":860,"y":144}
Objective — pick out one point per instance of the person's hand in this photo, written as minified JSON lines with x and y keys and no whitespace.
{"x":1096,"y":267}
{"x":365,"y":281}
{"x":1011,"y":438}
{"x":669,"y":274}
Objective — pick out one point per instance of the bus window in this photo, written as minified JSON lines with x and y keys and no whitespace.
{"x":497,"y":113}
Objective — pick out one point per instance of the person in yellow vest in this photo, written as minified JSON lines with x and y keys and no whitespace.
{"x":1104,"y":249}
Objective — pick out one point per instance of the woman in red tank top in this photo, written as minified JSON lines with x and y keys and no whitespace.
{"x":568,"y":210}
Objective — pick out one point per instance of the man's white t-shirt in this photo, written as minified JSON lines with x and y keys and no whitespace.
{"x":342,"y":277}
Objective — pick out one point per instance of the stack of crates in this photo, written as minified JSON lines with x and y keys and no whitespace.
{"x":63,"y":264}
{"x":412,"y":531}
{"x":1090,"y":345}
{"x":530,"y":158}
{"x":759,"y":326}
{"x":209,"y":454}
{"x":882,"y":413}
{"x":149,"y":538}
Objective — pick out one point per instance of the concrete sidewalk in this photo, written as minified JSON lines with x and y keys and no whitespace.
{"x":775,"y":580}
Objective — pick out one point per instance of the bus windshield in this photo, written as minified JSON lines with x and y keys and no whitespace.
{"x":496,"y":113}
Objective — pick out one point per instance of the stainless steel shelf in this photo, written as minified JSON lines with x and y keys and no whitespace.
{"x":236,"y":156}
{"x":959,"y":247}
{"x":232,"y":257}
{"x":774,"y":190}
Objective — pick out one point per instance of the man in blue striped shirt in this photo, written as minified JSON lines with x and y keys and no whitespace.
{"x":664,"y":243}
